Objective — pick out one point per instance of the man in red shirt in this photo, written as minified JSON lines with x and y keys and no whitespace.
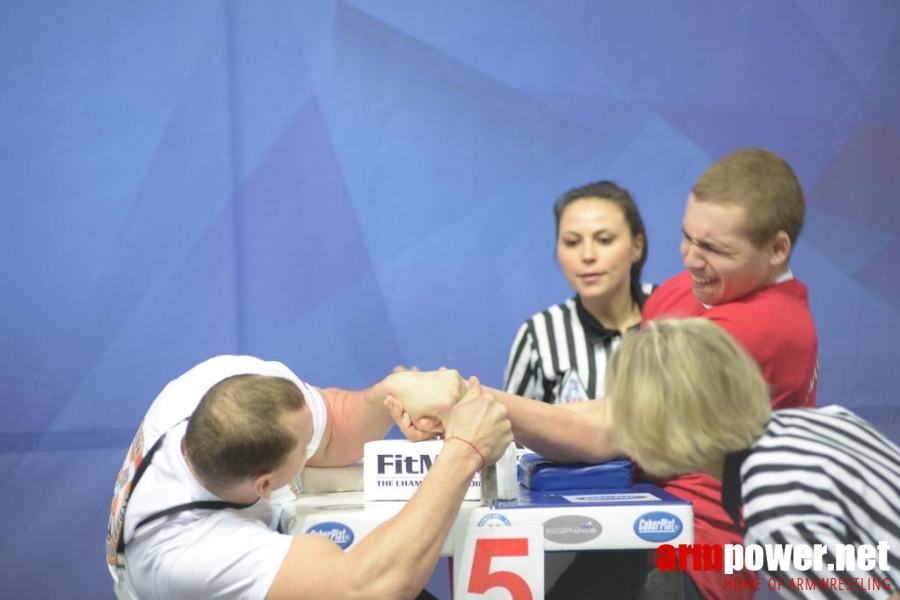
{"x":740,"y":224}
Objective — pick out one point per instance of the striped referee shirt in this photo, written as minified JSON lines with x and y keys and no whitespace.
{"x":821,"y":476}
{"x":560,"y":355}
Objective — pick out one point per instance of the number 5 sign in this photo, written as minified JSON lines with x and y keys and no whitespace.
{"x":499,"y":563}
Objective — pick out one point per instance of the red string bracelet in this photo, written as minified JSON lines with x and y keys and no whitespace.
{"x":471,"y":445}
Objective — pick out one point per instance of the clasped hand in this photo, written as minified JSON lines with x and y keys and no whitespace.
{"x":426,"y":397}
{"x":426,"y":404}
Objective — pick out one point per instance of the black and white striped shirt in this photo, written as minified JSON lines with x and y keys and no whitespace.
{"x":823,"y":476}
{"x":560,"y":355}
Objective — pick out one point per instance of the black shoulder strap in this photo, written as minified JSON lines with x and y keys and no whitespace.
{"x":120,"y":550}
{"x":207,"y":504}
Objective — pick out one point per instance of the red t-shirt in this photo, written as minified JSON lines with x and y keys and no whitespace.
{"x":775,"y":326}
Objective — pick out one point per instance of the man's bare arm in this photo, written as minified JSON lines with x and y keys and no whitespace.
{"x":357,"y":417}
{"x":396,"y":560}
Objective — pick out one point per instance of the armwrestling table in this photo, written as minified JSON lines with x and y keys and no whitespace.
{"x":641,"y":518}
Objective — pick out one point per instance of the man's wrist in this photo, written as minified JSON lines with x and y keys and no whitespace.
{"x":480,"y":454}
{"x":380,"y":391}
{"x":456,"y":451}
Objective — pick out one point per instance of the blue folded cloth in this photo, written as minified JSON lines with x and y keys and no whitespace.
{"x":539,"y":473}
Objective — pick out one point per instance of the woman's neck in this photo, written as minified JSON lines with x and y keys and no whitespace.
{"x":617,"y":314}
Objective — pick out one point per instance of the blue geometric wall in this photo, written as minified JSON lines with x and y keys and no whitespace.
{"x":346,"y":186}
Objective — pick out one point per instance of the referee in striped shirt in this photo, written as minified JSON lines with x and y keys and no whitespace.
{"x":686,"y":398}
{"x":560,"y":355}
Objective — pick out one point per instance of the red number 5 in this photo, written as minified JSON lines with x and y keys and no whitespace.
{"x":481,"y":579}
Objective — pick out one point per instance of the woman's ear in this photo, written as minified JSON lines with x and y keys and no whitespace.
{"x":638,"y":244}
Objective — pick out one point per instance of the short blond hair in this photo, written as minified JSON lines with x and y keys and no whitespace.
{"x":764,"y":185}
{"x":684,"y":395}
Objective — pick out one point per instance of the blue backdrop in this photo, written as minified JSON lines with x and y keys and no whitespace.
{"x":346,"y":186}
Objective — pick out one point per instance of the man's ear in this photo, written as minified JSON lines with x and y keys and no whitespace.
{"x":262,"y":483}
{"x":780,"y":248}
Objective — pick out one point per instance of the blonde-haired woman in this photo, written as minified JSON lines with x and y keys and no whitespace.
{"x":686,"y":398}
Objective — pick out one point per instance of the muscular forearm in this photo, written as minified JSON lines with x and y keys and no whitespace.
{"x":354,"y":418}
{"x":559,"y":434}
{"x":359,"y":417}
{"x":396,"y":560}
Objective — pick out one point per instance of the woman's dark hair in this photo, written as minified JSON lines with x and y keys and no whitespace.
{"x":609,"y":191}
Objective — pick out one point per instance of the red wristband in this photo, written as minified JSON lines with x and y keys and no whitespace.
{"x":471,"y":445}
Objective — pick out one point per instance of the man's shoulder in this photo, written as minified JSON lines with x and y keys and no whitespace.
{"x":678,"y":281}
{"x":677,"y":285}
{"x":774,"y":320}
{"x":787,"y":299}
{"x":187,"y":550}
{"x":226,"y":363}
{"x":793,"y":291}
{"x":201,"y":519}
{"x":672,"y":297}
{"x":223,"y":366}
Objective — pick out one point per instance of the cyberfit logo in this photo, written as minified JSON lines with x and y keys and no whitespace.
{"x":398,"y":464}
{"x":658,"y":526}
{"x":338,"y":533}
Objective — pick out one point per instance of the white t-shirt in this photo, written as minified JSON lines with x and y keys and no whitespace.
{"x":227,"y":553}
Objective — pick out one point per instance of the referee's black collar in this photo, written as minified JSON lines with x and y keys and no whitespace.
{"x":731,"y":486}
{"x":594,"y":329}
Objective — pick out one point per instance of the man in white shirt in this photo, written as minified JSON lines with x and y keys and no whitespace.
{"x":216,"y":443}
